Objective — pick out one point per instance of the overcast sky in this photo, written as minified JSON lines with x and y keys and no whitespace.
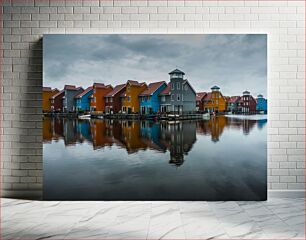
{"x":235,"y":62}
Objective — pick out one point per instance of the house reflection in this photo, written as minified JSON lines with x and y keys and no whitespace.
{"x":175,"y":137}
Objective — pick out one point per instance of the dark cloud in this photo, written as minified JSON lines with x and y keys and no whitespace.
{"x":235,"y":62}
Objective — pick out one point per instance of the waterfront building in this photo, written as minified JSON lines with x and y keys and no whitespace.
{"x":46,"y":101}
{"x":68,"y":99}
{"x":97,"y":103}
{"x":200,"y":101}
{"x":82,"y":100}
{"x":179,"y":96}
{"x":149,"y":98}
{"x":113,"y":100}
{"x":261,"y":104}
{"x":232,"y":104}
{"x":214,"y":101}
{"x":247,"y":103}
{"x":130,"y":98}
{"x":56,"y":101}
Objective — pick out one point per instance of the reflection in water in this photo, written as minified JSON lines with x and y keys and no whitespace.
{"x":173,"y":141}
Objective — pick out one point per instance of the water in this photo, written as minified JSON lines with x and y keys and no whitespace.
{"x":217,"y":159}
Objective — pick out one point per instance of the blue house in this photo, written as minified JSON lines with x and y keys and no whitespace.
{"x":149,"y":98}
{"x":82,"y":100}
{"x":261,"y":104}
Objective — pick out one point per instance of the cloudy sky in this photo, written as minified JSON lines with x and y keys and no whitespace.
{"x":235,"y":62}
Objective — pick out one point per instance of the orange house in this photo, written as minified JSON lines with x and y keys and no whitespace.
{"x":47,"y":94}
{"x":214,"y":101}
{"x":130,"y":99}
{"x":97,"y":103}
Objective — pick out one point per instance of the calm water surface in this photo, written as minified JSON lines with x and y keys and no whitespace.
{"x":218,"y":159}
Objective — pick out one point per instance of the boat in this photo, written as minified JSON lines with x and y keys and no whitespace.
{"x":85,"y":116}
{"x":206,"y":116}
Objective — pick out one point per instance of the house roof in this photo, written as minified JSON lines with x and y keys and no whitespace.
{"x":116,"y":89}
{"x":166,"y":91}
{"x":233,"y":99}
{"x":70,"y":87}
{"x":47,"y":89}
{"x":215,"y":87}
{"x":186,"y":81}
{"x":84,"y":92}
{"x":58,"y":94}
{"x":98,"y":85}
{"x":259,"y":96}
{"x":135,"y":83}
{"x":208,"y":97}
{"x":152,"y":87}
{"x":177,"y":71}
{"x":246,"y":92}
{"x":123,"y":94}
{"x":200,"y":96}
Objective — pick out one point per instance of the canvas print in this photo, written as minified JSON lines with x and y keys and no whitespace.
{"x":155,"y":117}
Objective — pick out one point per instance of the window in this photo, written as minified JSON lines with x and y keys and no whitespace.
{"x":216,"y":101}
{"x":172,"y":86}
{"x":129,"y":98}
{"x":163,"y":98}
{"x":178,"y":86}
{"x":172,"y":97}
{"x":94,"y":99}
{"x":178,"y":97}
{"x":111,"y":99}
{"x":106,"y":99}
{"x":183,"y":97}
{"x":186,"y":87}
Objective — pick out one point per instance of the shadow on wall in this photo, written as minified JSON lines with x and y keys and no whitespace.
{"x":24,"y":162}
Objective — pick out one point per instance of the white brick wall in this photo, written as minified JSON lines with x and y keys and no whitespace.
{"x":24,"y":22}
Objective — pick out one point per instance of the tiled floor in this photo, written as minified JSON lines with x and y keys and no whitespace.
{"x":274,"y":219}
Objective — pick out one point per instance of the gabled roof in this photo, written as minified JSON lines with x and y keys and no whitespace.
{"x":84,"y":92}
{"x":208,"y":96}
{"x":70,"y":87}
{"x":135,"y":83}
{"x":200,"y":96}
{"x":123,"y":94}
{"x":177,"y":71}
{"x":58,"y":94}
{"x":152,"y":87}
{"x":233,"y":99}
{"x":166,"y":91}
{"x":186,"y":81}
{"x":116,"y":89}
{"x":47,"y":89}
{"x":98,"y":85}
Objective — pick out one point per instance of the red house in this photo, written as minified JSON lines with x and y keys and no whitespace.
{"x":247,"y":103}
{"x":200,"y":101}
{"x":113,"y":100}
{"x":56,"y":101}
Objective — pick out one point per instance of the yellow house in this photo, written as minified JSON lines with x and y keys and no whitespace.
{"x":47,"y":94}
{"x":214,"y":101}
{"x":130,"y":99}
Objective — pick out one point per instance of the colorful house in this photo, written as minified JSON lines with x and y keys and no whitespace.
{"x":97,"y":103}
{"x":56,"y":101}
{"x":179,"y":96}
{"x":200,"y":101}
{"x":82,"y":100}
{"x":261,"y":104}
{"x":113,"y":99}
{"x":130,"y":98}
{"x":232,"y":104}
{"x":149,"y":98}
{"x":247,"y":103}
{"x":214,"y":101}
{"x":47,"y":94}
{"x":68,"y":100}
